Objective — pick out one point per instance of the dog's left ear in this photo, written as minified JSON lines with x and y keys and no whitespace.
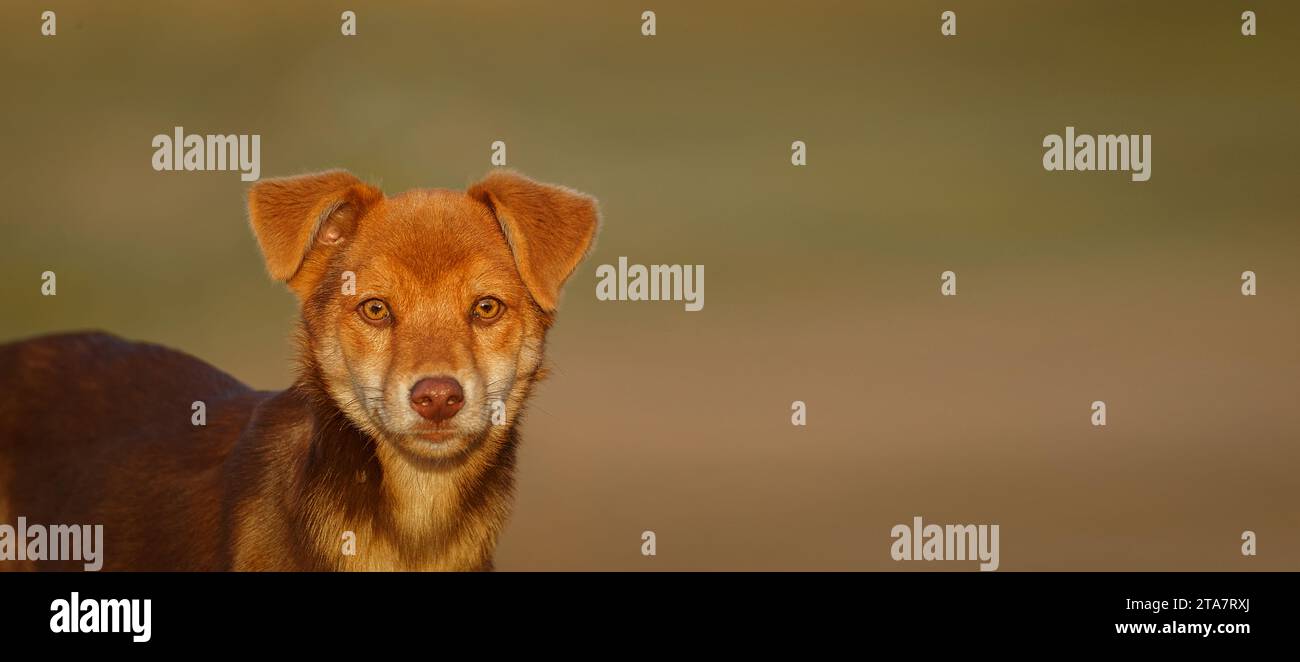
{"x":549,"y":229}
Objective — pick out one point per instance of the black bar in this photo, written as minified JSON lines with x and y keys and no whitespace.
{"x":743,"y":608}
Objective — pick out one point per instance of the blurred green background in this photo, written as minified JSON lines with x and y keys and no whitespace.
{"x":924,"y":155}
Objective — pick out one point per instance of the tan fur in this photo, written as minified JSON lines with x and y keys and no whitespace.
{"x":96,"y":430}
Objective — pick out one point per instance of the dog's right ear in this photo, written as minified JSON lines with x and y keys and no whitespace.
{"x":294,"y":216}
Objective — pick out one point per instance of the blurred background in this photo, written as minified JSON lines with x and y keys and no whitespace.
{"x":822,"y":282}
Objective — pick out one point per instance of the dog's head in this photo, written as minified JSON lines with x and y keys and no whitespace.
{"x":425,"y":313}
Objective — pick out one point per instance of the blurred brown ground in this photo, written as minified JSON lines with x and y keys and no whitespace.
{"x":821,"y":282}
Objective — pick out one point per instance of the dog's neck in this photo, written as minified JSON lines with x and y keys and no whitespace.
{"x":403,"y":513}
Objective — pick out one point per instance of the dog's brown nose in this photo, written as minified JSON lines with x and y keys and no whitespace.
{"x":437,"y":398}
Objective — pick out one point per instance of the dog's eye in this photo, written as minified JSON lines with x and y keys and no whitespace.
{"x":374,"y":310}
{"x":488,"y":308}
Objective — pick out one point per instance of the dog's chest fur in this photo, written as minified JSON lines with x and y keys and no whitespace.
{"x":329,"y":498}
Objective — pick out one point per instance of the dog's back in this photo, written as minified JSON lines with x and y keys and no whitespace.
{"x":98,"y":430}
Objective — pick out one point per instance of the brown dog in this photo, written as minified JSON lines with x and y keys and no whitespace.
{"x":424,"y":318}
